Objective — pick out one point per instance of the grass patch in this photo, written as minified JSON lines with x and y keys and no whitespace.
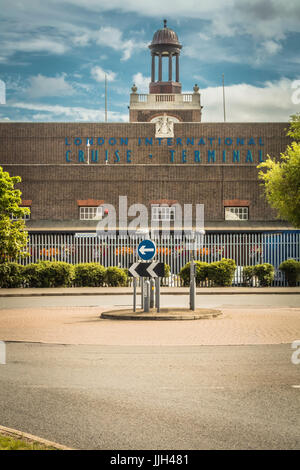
{"x":9,"y":443}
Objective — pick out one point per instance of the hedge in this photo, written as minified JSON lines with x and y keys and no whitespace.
{"x":49,"y":274}
{"x":219,"y":273}
{"x":263,"y":272}
{"x":116,"y":277}
{"x":291,"y":269}
{"x":11,"y":275}
{"x":248,"y":274}
{"x":201,"y":271}
{"x":89,"y":275}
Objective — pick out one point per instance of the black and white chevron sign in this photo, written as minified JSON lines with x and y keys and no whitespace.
{"x":154,"y":269}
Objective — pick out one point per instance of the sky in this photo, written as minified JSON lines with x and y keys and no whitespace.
{"x":55,"y":53}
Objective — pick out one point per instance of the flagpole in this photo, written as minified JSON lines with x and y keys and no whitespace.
{"x":105,"y":98}
{"x":224,"y":112}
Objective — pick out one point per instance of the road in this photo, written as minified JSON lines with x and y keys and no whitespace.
{"x":210,"y":301}
{"x":153,"y":397}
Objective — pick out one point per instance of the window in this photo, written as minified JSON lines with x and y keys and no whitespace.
{"x":236,"y":213}
{"x":25,"y":217}
{"x":90,"y":213}
{"x":163,"y":213}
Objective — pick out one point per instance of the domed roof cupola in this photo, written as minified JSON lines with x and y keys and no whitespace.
{"x":165,"y":36}
{"x":165,"y":44}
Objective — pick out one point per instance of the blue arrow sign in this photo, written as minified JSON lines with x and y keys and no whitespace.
{"x":146,"y":250}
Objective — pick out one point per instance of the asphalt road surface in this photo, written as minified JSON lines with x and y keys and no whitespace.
{"x":153,"y":397}
{"x":207,"y":301}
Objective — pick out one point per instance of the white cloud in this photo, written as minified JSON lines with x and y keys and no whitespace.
{"x":39,"y":44}
{"x":98,"y":74}
{"x":113,"y":37}
{"x":49,"y":86}
{"x":67,"y":113}
{"x":141,"y":82}
{"x":248,"y":103}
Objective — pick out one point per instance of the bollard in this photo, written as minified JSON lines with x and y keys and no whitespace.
{"x":134,"y":294}
{"x":147,"y":297}
{"x":142,"y":292}
{"x":152,"y":292}
{"x":157,"y":294}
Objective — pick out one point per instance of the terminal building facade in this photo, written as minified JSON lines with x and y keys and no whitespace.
{"x":164,"y":156}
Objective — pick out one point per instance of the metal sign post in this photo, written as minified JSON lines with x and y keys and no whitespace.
{"x":134,"y":294}
{"x":150,"y":289}
{"x":192,"y":285}
{"x":157,"y":294}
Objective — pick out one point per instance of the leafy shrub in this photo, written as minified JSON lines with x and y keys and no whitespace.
{"x":221,"y":272}
{"x":201,"y":271}
{"x":163,"y":281}
{"x":49,"y":274}
{"x":167,"y":270}
{"x":11,"y":275}
{"x":248,"y":273}
{"x":265,"y":274}
{"x":291,"y":269}
{"x":115,"y":277}
{"x":89,"y":275}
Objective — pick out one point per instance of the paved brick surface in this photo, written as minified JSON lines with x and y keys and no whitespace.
{"x":82,"y":325}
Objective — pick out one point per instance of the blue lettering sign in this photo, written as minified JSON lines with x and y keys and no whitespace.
{"x":68,"y":155}
{"x":172,"y":155}
{"x":261,"y":158}
{"x":211,"y":155}
{"x":236,"y":156}
{"x":249,"y":157}
{"x":197,"y":157}
{"x":94,"y":155}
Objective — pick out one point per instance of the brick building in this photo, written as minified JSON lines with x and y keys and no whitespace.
{"x":69,"y":169}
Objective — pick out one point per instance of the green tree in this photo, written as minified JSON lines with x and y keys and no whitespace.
{"x":13,"y":236}
{"x":294,"y":130}
{"x":281,"y":179}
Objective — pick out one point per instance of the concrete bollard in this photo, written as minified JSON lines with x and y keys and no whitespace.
{"x":147,"y":296}
{"x":152,"y":292}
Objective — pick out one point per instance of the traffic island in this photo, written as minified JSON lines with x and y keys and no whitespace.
{"x":164,"y":314}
